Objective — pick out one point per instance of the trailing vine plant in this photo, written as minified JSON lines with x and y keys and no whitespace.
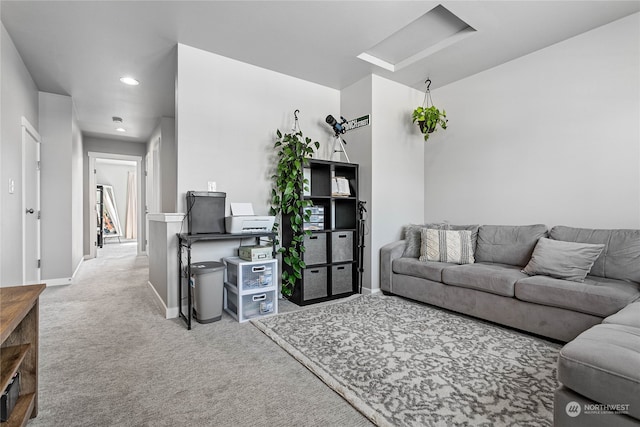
{"x":428,"y":116}
{"x":287,"y":200}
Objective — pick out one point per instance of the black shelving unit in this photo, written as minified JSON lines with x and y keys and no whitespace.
{"x":331,"y":253}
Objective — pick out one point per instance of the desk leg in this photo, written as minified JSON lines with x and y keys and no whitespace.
{"x":189,"y":296}
{"x":187,"y":317}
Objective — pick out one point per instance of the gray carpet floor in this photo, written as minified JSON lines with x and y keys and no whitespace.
{"x":109,"y":358}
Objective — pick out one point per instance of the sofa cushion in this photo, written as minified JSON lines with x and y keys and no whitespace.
{"x":494,"y":278}
{"x":412,"y":234}
{"x":620,"y":258}
{"x":431,"y":270}
{"x":446,"y":246}
{"x":596,"y":295}
{"x":507,"y":244}
{"x":563,"y":260}
{"x":603,"y":364}
{"x":628,"y":316}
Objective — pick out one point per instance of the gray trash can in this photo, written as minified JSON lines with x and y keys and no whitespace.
{"x":208,"y":282}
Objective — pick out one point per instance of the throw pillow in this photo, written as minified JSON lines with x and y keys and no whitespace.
{"x":563,"y":260}
{"x":452,"y":246}
{"x":412,"y":236}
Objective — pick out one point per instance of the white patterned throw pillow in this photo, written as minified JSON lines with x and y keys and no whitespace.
{"x":452,"y":246}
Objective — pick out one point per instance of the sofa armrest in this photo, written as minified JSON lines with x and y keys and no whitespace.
{"x":388,"y":253}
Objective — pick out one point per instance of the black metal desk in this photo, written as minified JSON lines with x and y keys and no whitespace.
{"x":185,"y":241}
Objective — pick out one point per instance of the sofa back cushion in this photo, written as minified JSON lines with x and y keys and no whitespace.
{"x":620,"y":258}
{"x":508,"y":244}
{"x":412,"y":234}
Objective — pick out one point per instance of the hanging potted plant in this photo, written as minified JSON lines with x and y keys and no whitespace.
{"x":287,"y":200}
{"x":428,"y":116}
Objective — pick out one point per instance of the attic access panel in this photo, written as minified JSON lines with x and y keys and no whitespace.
{"x":433,"y":31}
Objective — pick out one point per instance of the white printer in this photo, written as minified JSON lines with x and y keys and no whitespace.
{"x":243,"y":220}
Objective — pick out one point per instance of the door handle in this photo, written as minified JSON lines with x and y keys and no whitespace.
{"x":30,"y":211}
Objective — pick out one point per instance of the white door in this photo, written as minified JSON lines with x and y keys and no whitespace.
{"x":30,"y":204}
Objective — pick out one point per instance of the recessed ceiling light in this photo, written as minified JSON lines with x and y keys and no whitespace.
{"x":129,"y":81}
{"x":121,"y":129}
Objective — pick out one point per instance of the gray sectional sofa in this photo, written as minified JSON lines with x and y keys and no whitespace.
{"x":597,"y":317}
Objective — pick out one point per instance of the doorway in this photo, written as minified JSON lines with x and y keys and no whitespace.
{"x":117,"y":202}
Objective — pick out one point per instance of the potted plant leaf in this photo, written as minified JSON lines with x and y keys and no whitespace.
{"x":287,"y":200}
{"x":428,"y":116}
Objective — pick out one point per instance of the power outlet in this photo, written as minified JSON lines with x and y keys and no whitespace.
{"x":211,"y":186}
{"x":12,"y":186}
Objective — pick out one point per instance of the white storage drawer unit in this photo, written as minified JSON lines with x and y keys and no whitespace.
{"x":251,"y":288}
{"x":251,"y":274}
{"x":249,"y":306}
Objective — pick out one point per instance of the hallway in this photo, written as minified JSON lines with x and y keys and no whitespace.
{"x":109,"y":358}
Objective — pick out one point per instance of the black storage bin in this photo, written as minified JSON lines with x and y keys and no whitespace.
{"x":205,"y":211}
{"x":9,"y":397}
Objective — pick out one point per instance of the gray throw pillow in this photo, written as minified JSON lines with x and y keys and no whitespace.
{"x":412,"y":235}
{"x":563,"y":260}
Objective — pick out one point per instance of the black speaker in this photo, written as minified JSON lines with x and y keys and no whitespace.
{"x":205,"y":211}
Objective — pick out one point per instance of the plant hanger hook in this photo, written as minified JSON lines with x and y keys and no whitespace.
{"x":296,"y":125}
{"x":427,"y":94}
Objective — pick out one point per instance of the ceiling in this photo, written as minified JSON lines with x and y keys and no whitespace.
{"x":82,"y":48}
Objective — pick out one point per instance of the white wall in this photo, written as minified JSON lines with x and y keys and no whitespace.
{"x":398,"y":170}
{"x":162,"y":144}
{"x":77,"y":182}
{"x":56,"y":117}
{"x":355,"y":101}
{"x":19,"y":98}
{"x":552,"y":137}
{"x":390,"y":154}
{"x":226,"y":119}
{"x":168,"y":166}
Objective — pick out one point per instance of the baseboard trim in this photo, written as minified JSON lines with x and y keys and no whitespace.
{"x":169,"y":313}
{"x":58,"y":282}
{"x":77,"y":268}
{"x":369,"y":291}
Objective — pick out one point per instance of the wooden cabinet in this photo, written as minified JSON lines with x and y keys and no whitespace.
{"x":19,"y":348}
{"x":331,"y":253}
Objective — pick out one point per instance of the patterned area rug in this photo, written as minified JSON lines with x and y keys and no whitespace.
{"x":402,"y":363}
